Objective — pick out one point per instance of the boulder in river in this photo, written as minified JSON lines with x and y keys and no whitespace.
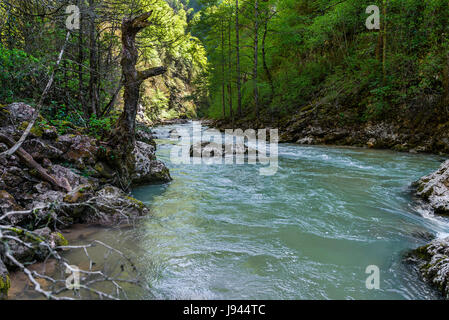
{"x":147,"y":169}
{"x":433,"y":263}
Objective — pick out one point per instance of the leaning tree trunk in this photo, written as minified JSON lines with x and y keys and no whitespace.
{"x":123,"y":137}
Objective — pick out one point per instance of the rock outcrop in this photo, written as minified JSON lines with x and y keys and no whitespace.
{"x":147,"y":169}
{"x":432,"y":261}
{"x":83,"y":164}
{"x":434,"y":189}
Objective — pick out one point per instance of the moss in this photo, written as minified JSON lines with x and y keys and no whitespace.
{"x":136,"y":202}
{"x":5,"y":284}
{"x":37,"y":130}
{"x":60,"y":239}
{"x":16,"y":230}
{"x":27,"y":234}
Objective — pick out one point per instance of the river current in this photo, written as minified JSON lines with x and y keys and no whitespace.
{"x":308,"y":232}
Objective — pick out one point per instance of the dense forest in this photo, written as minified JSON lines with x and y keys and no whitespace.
{"x":285,"y":55}
{"x":88,"y":81}
{"x":258,"y":61}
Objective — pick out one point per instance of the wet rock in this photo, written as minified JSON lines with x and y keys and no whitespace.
{"x":306,"y":140}
{"x":434,"y":188}
{"x":432,"y":261}
{"x":211,"y":149}
{"x":147,"y":169}
{"x":111,"y":206}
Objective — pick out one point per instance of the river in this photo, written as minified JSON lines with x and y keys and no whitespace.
{"x":308,"y":232}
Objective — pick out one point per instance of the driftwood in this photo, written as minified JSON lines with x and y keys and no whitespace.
{"x":32,"y":164}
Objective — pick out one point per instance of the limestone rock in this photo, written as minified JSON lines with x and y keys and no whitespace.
{"x":433,"y":263}
{"x":40,"y":150}
{"x":78,"y":149}
{"x":20,"y":112}
{"x":146,"y":137}
{"x":9,"y":204}
{"x":147,"y":169}
{"x":111,"y":206}
{"x":434,"y":188}
{"x":73,"y":178}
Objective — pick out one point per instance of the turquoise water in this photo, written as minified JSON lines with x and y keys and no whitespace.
{"x":309,"y":232}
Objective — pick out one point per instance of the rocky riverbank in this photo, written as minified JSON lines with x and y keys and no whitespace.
{"x":416,"y":129}
{"x":71,"y":180}
{"x":432,"y":260}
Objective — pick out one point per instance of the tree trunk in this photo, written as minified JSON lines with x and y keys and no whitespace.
{"x":123,"y":137}
{"x":446,"y":84}
{"x":265,"y":65}
{"x":256,"y":58}
{"x":237,"y":48}
{"x":223,"y":97}
{"x":81,"y":62}
{"x":231,"y":111}
{"x":93,"y":82}
{"x":384,"y":38}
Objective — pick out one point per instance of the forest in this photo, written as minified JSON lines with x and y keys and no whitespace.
{"x":259,"y":61}
{"x":95,"y":94}
{"x":285,"y":55}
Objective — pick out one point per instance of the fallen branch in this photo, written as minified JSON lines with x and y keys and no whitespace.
{"x":32,"y":164}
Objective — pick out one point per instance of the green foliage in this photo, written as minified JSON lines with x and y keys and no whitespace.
{"x":320,"y":50}
{"x":100,"y":127}
{"x":17,"y":74}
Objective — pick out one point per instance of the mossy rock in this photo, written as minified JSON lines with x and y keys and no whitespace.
{"x":59,"y":239}
{"x":5,"y":284}
{"x":80,"y":194}
{"x":138,"y":203}
{"x":36,"y":131}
